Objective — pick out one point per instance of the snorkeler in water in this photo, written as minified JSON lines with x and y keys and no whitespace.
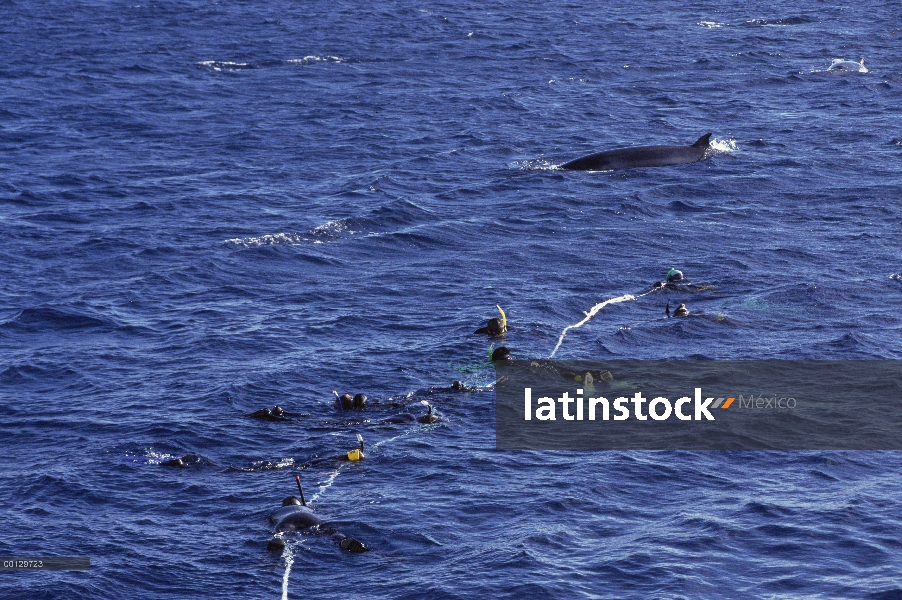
{"x":501,"y":353}
{"x":349,"y":402}
{"x":675,"y":280}
{"x":495,"y":327}
{"x":184,"y":460}
{"x":458,"y":386}
{"x":560,"y":369}
{"x":276,"y":413}
{"x":429,"y":417}
{"x":351,"y":456}
{"x":295,"y":516}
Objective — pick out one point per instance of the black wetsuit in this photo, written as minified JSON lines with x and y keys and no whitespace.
{"x":293,"y":518}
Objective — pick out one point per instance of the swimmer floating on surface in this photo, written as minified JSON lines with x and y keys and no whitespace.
{"x":276,"y":413}
{"x":501,"y":353}
{"x":495,"y":327}
{"x":675,"y":280}
{"x":351,"y":456}
{"x":349,"y":402}
{"x":295,"y":517}
{"x":185,"y":460}
{"x":681,"y":311}
{"x":429,"y":417}
{"x":269,"y":414}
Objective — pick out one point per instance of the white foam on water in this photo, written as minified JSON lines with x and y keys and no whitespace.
{"x":224,"y":65}
{"x":308,"y":60}
{"x":534,"y":165}
{"x":723,"y":146}
{"x":318,"y":235}
{"x":332,"y":228}
{"x":269,"y":240}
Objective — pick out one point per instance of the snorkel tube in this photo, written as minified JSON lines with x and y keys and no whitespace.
{"x":503,"y":319}
{"x":297,"y":479}
{"x":357,"y":453}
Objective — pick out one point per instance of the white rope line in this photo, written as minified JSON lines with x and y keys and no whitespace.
{"x":592,"y":313}
{"x":589,"y":315}
{"x":288,"y":555}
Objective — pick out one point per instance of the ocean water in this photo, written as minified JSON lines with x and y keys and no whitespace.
{"x":207,"y":208}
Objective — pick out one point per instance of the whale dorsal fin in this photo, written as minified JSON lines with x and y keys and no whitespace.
{"x":703,"y":141}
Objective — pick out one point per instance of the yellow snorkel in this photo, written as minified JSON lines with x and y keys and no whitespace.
{"x":503,"y":319}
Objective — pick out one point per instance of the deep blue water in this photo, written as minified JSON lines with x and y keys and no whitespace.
{"x":207,"y":208}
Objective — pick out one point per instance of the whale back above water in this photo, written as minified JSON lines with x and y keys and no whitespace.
{"x":641,"y":156}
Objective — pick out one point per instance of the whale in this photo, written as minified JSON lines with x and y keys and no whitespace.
{"x":641,"y":156}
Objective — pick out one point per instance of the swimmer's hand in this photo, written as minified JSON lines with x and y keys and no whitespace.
{"x":352,"y":545}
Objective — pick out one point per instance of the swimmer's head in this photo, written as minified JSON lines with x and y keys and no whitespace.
{"x":495,"y":326}
{"x":344,"y":402}
{"x":291,"y":500}
{"x":352,"y":545}
{"x":277,"y":411}
{"x":501,"y":353}
{"x":360,"y":400}
{"x":457,"y":385}
{"x":428,"y":417}
{"x":674,"y":275}
{"x":276,"y":544}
